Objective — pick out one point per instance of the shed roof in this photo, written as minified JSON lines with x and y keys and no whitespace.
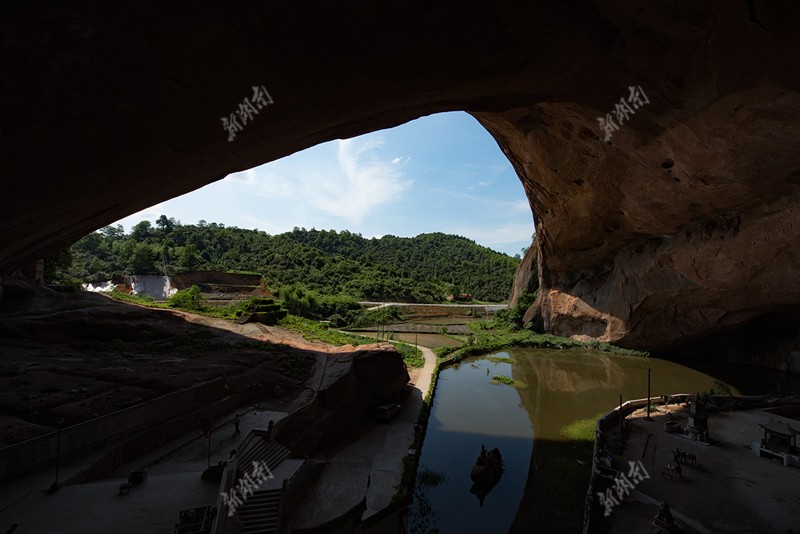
{"x":779,"y":427}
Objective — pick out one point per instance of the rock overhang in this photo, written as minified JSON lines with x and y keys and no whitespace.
{"x":682,"y":224}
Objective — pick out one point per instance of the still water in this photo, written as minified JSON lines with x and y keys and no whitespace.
{"x":563,"y":386}
{"x":428,"y":340}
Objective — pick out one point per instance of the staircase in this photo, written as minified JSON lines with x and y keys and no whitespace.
{"x":260,"y":513}
{"x":258,"y":448}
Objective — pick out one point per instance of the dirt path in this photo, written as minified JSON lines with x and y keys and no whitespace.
{"x":260,"y":332}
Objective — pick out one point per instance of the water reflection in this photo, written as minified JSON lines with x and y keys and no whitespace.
{"x":486,"y":473}
{"x":562,"y":386}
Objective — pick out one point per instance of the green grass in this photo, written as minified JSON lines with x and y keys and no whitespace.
{"x":500,"y":359}
{"x":411,"y":355}
{"x":491,"y":341}
{"x":501,"y":379}
{"x":144,"y":300}
{"x":221,"y":312}
{"x":313,"y":330}
{"x":582,"y":429}
{"x":238,"y":271}
{"x":316,"y":331}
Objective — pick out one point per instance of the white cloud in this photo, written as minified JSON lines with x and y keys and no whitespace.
{"x":251,"y":221}
{"x":397,"y":160}
{"x":362,"y":183}
{"x":484,"y":183}
{"x":247,"y":177}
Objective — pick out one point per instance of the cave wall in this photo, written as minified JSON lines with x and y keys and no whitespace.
{"x":645,"y":244}
{"x":682,"y":224}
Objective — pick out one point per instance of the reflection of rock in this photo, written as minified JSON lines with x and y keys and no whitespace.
{"x":354,"y":382}
{"x":569,"y":377}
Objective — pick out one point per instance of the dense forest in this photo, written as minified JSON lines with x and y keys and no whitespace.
{"x":424,"y":268}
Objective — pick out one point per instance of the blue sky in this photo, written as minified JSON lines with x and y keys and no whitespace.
{"x":441,"y":173}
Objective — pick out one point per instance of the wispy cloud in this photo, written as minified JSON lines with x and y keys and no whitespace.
{"x":361,"y":181}
{"x":247,"y":177}
{"x":496,"y":236}
{"x":251,"y":221}
{"x":501,"y":207}
{"x":481,"y":171}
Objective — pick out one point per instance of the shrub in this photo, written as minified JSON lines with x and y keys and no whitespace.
{"x":187,"y":299}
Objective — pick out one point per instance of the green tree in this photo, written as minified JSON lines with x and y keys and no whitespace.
{"x":166,"y":225}
{"x":57,"y":266}
{"x":113,"y":232}
{"x":187,"y":299}
{"x":423,"y":269}
{"x":189,"y":258}
{"x":141,"y":231}
{"x":143,"y":260}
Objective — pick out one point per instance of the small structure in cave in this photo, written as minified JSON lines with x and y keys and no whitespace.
{"x":664,"y":521}
{"x":697,"y":428}
{"x":779,"y":443}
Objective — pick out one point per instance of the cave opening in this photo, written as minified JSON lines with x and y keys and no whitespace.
{"x":442,"y":173}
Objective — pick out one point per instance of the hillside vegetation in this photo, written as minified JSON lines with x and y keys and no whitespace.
{"x":424,"y":268}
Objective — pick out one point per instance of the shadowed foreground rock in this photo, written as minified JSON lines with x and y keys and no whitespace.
{"x":349,"y":386}
{"x":680,"y":227}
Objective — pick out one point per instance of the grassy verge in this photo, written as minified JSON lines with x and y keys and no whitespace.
{"x":490,"y":341}
{"x":500,"y":359}
{"x":502,"y":379}
{"x":316,"y":331}
{"x":222,"y":312}
{"x":144,"y":300}
{"x":581,"y":430}
{"x":411,"y":355}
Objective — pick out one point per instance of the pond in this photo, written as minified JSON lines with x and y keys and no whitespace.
{"x":469,"y":411}
{"x":428,"y":340}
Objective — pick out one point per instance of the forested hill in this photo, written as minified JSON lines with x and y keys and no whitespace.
{"x":424,"y":268}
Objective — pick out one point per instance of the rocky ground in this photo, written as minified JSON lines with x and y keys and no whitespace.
{"x":80,"y":355}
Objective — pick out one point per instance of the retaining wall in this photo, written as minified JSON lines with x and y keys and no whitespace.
{"x":608,"y":421}
{"x":40,"y":451}
{"x":612,"y":419}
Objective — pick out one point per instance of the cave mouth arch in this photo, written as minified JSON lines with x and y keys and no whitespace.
{"x":106,"y":113}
